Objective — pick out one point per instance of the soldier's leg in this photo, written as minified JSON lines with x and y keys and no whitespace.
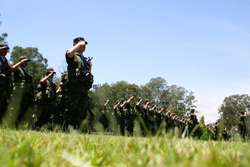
{"x":3,"y":105}
{"x":44,"y":116}
{"x":90,"y":114}
{"x":122,"y":126}
{"x":24,"y":105}
{"x":244,"y":132}
{"x":130,"y":127}
{"x":75,"y":112}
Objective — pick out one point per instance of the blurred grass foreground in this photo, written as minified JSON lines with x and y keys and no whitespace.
{"x":29,"y":148}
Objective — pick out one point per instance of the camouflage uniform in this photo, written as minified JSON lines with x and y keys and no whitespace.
{"x":104,"y":120}
{"x":23,"y":87}
{"x":79,"y":82}
{"x":130,"y":119}
{"x":46,"y":99}
{"x":242,"y":125}
{"x":5,"y":83}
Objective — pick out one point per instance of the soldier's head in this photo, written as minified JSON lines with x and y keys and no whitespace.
{"x":192,"y":111}
{"x":4,"y":49}
{"x":49,"y":70}
{"x":80,"y":39}
{"x":22,"y":58}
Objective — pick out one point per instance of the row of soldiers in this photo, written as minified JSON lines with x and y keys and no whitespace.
{"x":22,"y":100}
{"x":66,"y":104}
{"x":152,"y":120}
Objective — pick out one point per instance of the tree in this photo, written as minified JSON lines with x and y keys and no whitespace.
{"x":173,"y":98}
{"x":3,"y":37}
{"x":113,"y":92}
{"x":154,"y":89}
{"x":38,"y":64}
{"x":177,"y":99}
{"x":231,"y":108}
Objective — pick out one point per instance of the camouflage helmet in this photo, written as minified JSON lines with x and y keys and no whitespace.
{"x":23,"y":57}
{"x":49,"y":70}
{"x":78,"y":39}
{"x":4,"y":45}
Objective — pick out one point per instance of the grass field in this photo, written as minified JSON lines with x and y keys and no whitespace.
{"x":29,"y":148}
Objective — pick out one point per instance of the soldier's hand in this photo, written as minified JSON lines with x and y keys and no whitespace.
{"x":81,"y":43}
{"x":24,"y":60}
{"x":2,"y":76}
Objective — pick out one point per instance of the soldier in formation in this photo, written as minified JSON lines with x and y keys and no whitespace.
{"x":46,"y":100}
{"x":242,"y":124}
{"x":151,"y":119}
{"x":80,"y":80}
{"x":68,"y":103}
{"x":23,"y":87}
{"x":22,"y":83}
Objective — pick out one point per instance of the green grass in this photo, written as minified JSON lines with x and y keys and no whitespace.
{"x":29,"y":148}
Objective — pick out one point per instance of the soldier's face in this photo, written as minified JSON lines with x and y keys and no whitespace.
{"x":24,"y":64}
{"x":82,"y":49}
{"x":4,"y":51}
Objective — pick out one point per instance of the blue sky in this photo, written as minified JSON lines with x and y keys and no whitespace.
{"x":203,"y":46}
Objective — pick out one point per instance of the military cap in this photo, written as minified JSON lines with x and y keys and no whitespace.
{"x":78,"y":39}
{"x":23,"y":57}
{"x":49,"y":70}
{"x":192,"y":111}
{"x":4,"y":45}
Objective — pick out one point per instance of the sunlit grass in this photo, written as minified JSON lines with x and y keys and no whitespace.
{"x":29,"y":148}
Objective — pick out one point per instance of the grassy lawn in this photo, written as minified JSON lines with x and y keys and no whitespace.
{"x":29,"y":148}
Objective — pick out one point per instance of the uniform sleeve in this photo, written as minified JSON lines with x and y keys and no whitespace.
{"x":68,"y":59}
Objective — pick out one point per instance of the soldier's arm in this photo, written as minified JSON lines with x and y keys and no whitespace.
{"x":59,"y":89}
{"x":106,"y":103}
{"x":18,"y":64}
{"x":79,"y":46}
{"x":123,"y":104}
{"x":2,"y":75}
{"x":47,"y":77}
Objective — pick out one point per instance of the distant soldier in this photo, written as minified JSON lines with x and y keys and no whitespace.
{"x":122,"y":117}
{"x":117,"y":116}
{"x":242,"y":124}
{"x":193,"y":118}
{"x":104,"y":119}
{"x":193,"y":125}
{"x":5,"y":80}
{"x":62,"y":98}
{"x":23,"y":88}
{"x":80,"y":80}
{"x":216,"y":130}
{"x":47,"y":99}
{"x":226,"y":136}
{"x":6,"y":84}
{"x":131,"y":116}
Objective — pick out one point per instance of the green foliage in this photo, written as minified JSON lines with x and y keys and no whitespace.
{"x":27,"y":148}
{"x":3,"y":37}
{"x":231,"y":108}
{"x":174,"y":98}
{"x":38,"y":65}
